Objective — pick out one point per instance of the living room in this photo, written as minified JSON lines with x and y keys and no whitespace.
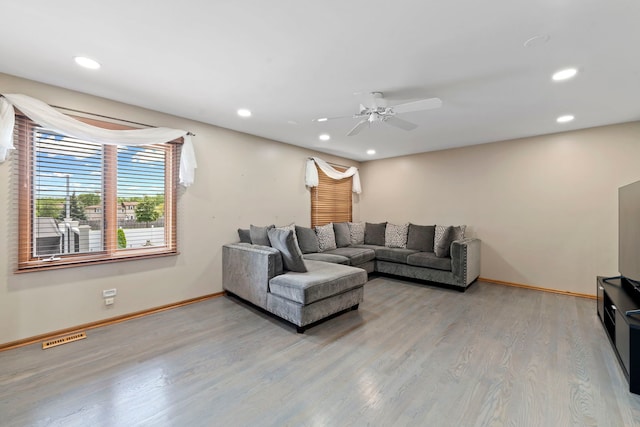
{"x":544,"y":207}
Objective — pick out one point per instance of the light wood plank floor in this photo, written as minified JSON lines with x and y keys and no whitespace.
{"x":412,"y":355}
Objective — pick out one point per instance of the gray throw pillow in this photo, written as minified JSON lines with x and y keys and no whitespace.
{"x":374,"y":233}
{"x":341,"y":231}
{"x":307,"y":239}
{"x":356,"y":230}
{"x":326,"y":237}
{"x":458,"y":233}
{"x":245,"y":235}
{"x":285,"y":241}
{"x":259,"y":234}
{"x":442,"y":247}
{"x":421,"y":237}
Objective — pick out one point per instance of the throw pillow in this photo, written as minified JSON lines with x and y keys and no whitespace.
{"x":341,"y":231}
{"x":356,"y":232}
{"x":458,"y":233}
{"x":443,"y":243}
{"x":421,"y":237}
{"x":259,"y":234}
{"x":374,"y":233}
{"x":284,"y":241}
{"x":326,"y":237}
{"x":245,"y":235}
{"x":307,"y":240}
{"x":395,"y":236}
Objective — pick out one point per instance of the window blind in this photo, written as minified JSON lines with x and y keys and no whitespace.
{"x":331,"y":200}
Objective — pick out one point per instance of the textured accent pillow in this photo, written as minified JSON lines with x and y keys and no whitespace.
{"x":356,"y":232}
{"x":421,"y":237}
{"x":374,"y":233}
{"x":259,"y":234}
{"x":442,"y":245}
{"x":307,"y":240}
{"x":291,"y":227}
{"x":395,"y":236}
{"x":326,"y":237}
{"x":458,"y":233}
{"x":245,"y":235}
{"x":285,"y":241}
{"x":341,"y":231}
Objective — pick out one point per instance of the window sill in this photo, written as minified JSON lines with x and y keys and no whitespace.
{"x":83,"y":260}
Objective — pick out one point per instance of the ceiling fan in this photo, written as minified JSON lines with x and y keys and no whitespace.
{"x":377,"y":110}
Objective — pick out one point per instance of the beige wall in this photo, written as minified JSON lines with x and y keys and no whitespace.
{"x":240,"y":180}
{"x":544,"y":207}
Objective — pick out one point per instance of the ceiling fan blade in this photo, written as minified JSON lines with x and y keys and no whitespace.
{"x":399,"y":123}
{"x":423,"y":104}
{"x":326,"y":119}
{"x":357,"y":128}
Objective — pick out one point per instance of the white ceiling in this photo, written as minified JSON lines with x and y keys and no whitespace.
{"x":290,"y":61}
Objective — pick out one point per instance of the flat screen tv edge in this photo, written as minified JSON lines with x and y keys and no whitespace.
{"x":629,"y":238}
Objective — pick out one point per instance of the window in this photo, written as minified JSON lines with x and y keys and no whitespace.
{"x":331,"y":200}
{"x":73,"y":195}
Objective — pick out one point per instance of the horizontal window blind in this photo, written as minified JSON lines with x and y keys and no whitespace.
{"x":331,"y":200}
{"x":80,"y":202}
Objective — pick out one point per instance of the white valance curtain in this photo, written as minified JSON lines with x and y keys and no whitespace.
{"x":311,"y":175}
{"x":48,"y":117}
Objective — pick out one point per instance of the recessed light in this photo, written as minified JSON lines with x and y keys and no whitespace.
{"x":243,"y":112}
{"x":371,"y":152}
{"x":565,"y":74}
{"x":85,"y":62}
{"x":324,"y":119}
{"x":565,"y":119}
{"x":324,"y":137}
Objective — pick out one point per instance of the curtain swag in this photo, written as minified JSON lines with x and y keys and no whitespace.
{"x":48,"y":117}
{"x":311,"y":174}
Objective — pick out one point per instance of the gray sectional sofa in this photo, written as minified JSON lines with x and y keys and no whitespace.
{"x":458,"y":265}
{"x":311,"y":274}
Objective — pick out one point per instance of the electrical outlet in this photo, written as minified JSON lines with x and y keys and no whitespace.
{"x":109,"y":301}
{"x":106,"y":293}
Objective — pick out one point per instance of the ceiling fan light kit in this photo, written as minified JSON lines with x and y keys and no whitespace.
{"x":378,"y":110}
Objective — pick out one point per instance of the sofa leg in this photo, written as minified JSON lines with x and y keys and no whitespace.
{"x":355,"y":307}
{"x":300,"y":329}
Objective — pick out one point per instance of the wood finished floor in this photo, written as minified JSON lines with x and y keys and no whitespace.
{"x":413,"y":355}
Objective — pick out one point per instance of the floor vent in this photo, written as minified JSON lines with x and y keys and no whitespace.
{"x":63,"y":340}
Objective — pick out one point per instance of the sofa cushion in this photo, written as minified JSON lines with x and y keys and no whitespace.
{"x":356,"y":256}
{"x":442,"y":244}
{"x":421,"y":237}
{"x":356,"y":232}
{"x":429,"y":260}
{"x":307,"y":240}
{"x":374,"y":233}
{"x":245,"y":235}
{"x":395,"y":236}
{"x":394,"y":254}
{"x":327,"y":257}
{"x":322,"y":280}
{"x":326,"y":237}
{"x":259,"y":234}
{"x":341,"y":231}
{"x":285,"y":241}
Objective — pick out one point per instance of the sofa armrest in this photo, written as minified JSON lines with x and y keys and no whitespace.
{"x":465,"y":259}
{"x":247,"y":269}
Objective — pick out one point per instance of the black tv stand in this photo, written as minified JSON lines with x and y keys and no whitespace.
{"x":616,"y":310}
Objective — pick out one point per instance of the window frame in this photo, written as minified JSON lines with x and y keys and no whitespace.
{"x":27,"y":261}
